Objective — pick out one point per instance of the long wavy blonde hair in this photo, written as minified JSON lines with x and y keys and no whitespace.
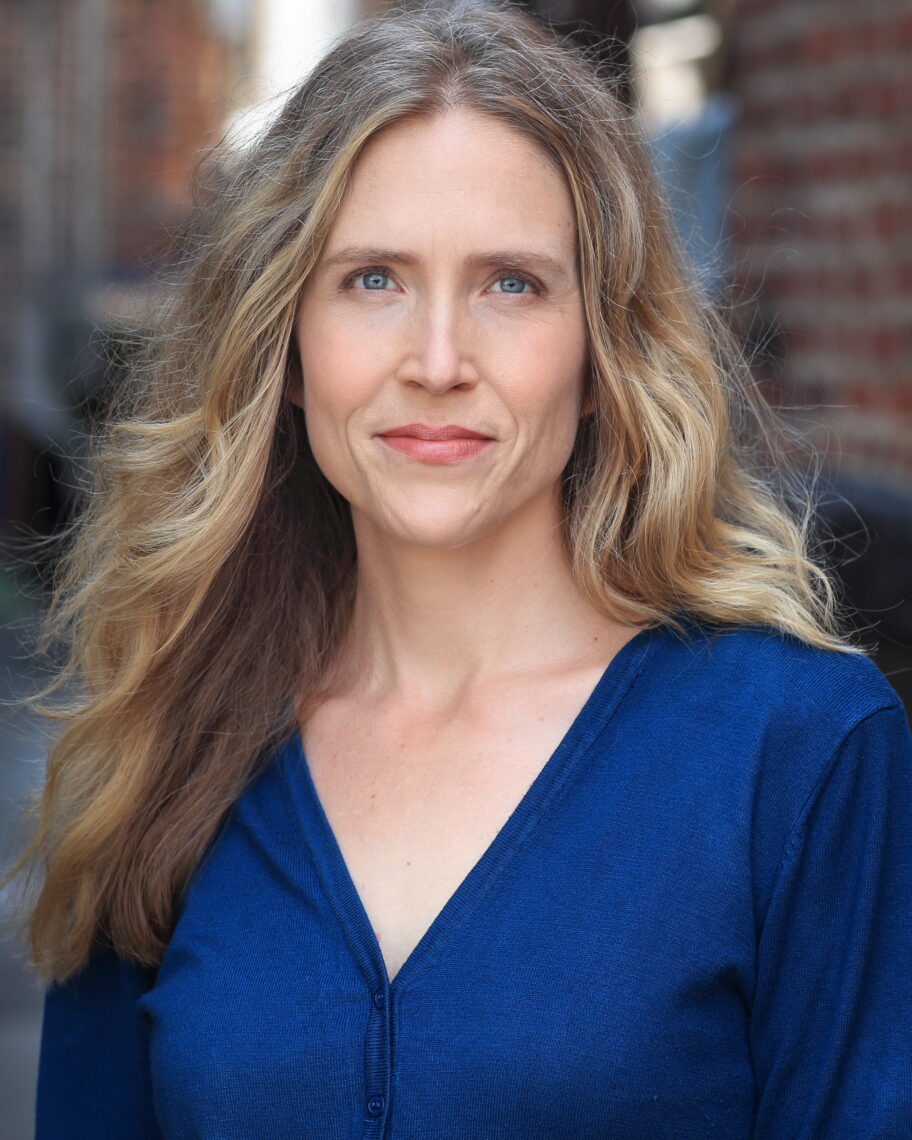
{"x":209,"y":578}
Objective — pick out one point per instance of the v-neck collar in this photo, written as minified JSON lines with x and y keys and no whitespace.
{"x":333,"y":871}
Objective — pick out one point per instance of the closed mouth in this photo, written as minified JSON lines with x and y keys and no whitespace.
{"x":424,"y":431}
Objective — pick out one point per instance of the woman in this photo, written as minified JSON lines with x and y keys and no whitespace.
{"x":466,"y":747}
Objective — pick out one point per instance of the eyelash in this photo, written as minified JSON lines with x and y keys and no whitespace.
{"x":514,"y":274}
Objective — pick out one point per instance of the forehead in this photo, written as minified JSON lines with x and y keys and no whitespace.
{"x":461,"y":178}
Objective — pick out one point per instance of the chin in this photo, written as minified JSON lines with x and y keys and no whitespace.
{"x":439,"y":533}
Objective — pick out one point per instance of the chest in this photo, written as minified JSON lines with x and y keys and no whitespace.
{"x":414,"y":804}
{"x":592,"y":984}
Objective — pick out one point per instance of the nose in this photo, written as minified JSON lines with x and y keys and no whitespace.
{"x":436,"y":358}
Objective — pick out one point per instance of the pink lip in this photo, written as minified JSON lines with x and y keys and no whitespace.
{"x":437,"y":450}
{"x":422,"y":431}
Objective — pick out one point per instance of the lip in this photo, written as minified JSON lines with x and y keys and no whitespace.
{"x":423,"y":431}
{"x":459,"y":449}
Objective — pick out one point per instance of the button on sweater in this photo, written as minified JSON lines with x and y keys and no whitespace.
{"x":695,"y":924}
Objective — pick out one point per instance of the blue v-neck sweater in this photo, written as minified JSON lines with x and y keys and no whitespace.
{"x":696,"y":924}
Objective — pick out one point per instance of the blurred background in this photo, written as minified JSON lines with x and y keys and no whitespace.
{"x":781,"y":131}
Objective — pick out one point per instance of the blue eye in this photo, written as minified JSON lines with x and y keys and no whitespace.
{"x":514,"y":280}
{"x":370,"y":273}
{"x":377,"y":276}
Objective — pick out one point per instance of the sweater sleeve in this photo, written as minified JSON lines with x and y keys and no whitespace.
{"x":831,"y":1021}
{"x":93,"y":1067}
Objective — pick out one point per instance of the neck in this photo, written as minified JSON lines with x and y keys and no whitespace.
{"x":431,"y":622}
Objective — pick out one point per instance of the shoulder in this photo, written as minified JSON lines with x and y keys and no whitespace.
{"x":105,"y":982}
{"x":757,"y":711}
{"x":756,"y":723}
{"x":93,"y":1067}
{"x":760,"y":672}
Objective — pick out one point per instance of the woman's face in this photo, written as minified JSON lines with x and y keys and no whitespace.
{"x":447,"y":293}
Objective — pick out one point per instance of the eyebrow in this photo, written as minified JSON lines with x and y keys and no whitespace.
{"x":535,"y":259}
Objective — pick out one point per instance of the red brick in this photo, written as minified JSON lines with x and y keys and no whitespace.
{"x":891,"y":219}
{"x":886,"y":343}
{"x":898,"y":32}
{"x":902,"y":402}
{"x":820,"y":44}
{"x":860,"y":395}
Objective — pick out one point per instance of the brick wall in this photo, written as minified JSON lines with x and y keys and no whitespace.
{"x":821,"y":216}
{"x":170,"y":79}
{"x":106,"y":106}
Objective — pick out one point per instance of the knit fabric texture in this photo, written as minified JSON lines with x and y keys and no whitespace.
{"x":696,"y":924}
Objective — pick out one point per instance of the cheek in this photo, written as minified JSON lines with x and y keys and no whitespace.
{"x":546,"y":412}
{"x":337,"y":376}
{"x":549,"y":382}
{"x":338,"y":384}
{"x":552,"y":357}
{"x":545,"y":398}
